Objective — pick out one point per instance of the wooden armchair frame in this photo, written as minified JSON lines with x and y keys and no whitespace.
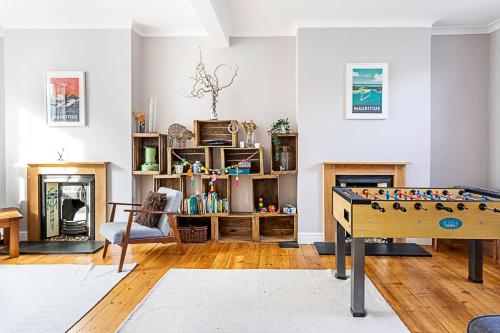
{"x":174,"y":236}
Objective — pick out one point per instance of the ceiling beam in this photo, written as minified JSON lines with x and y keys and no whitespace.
{"x":214,"y":20}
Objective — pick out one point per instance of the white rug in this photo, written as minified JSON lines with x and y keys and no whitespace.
{"x":186,"y":300}
{"x":52,"y":298}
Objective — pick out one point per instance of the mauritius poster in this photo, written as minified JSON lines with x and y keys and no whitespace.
{"x":367,"y":91}
{"x":65,"y":98}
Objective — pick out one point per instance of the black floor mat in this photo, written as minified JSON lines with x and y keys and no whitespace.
{"x":376,"y":249}
{"x":48,"y":247}
{"x":289,"y":245}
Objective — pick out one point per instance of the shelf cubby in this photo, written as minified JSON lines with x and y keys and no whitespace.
{"x":266,"y":186}
{"x":231,"y":156}
{"x":235,"y":228}
{"x":141,"y":140}
{"x":197,"y":221}
{"x":222,"y":186}
{"x":289,"y":140}
{"x":191,"y":155}
{"x":277,"y":227}
{"x":176,"y":182}
{"x":208,"y":131}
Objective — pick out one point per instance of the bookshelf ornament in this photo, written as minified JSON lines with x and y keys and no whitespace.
{"x":205,"y":83}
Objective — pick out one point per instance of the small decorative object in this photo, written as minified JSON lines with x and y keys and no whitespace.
{"x":250,"y":128}
{"x":242,"y":169}
{"x":60,"y":153}
{"x":210,"y":83}
{"x":261,"y":202}
{"x":256,"y":145}
{"x":152,"y":115}
{"x":271,"y":208}
{"x":140,"y":119}
{"x":285,"y":158}
{"x":177,"y":135}
{"x":367,"y":91}
{"x":197,"y":167}
{"x":65,"y":105}
{"x":289,"y":209}
{"x":279,"y":127}
{"x":150,"y":160}
{"x":242,"y":144}
{"x":178,"y":167}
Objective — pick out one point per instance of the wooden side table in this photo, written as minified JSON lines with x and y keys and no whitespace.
{"x":9,"y":221}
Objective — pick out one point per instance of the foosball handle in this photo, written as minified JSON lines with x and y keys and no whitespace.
{"x":397,"y":206}
{"x":440,"y":206}
{"x":484,"y":206}
{"x":418,"y":206}
{"x":376,"y":206}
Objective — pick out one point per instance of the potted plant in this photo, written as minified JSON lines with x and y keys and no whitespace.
{"x":279,"y":127}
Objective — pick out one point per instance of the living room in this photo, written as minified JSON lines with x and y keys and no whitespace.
{"x":218,"y":163}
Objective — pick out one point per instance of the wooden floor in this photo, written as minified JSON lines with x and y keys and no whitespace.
{"x":429,"y":294}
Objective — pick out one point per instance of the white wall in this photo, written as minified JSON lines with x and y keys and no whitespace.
{"x":263,"y":91}
{"x":2,"y":129}
{"x":325,"y":134}
{"x":494,"y":178}
{"x":460,"y":125}
{"x":105,"y":56}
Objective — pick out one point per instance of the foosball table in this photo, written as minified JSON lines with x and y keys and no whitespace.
{"x":458,"y":213}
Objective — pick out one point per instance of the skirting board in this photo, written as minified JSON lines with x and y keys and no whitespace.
{"x":311,"y":237}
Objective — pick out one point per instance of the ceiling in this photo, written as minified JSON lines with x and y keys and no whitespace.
{"x":248,"y":17}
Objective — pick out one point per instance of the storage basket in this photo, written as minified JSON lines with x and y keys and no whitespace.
{"x":192,"y":234}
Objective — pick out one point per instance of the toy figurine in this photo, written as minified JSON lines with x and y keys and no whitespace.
{"x":271,"y":208}
{"x":261,"y":203}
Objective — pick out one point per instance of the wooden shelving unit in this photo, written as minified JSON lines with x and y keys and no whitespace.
{"x":289,"y":140}
{"x":228,"y":226}
{"x":206,"y":131}
{"x":230,"y":156}
{"x":191,"y":155}
{"x":141,"y":140}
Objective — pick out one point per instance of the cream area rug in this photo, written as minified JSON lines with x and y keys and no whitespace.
{"x":52,"y":298}
{"x":187,"y":300}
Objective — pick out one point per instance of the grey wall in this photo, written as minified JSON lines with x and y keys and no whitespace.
{"x":263,"y":91}
{"x":459,"y":121}
{"x":494,"y":178}
{"x":105,"y":56}
{"x":325,"y":134}
{"x":2,"y":129}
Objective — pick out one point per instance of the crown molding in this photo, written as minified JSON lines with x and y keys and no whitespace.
{"x":69,"y":23}
{"x":466,"y":30}
{"x":387,"y":23}
{"x":494,"y":26}
{"x":146,"y":31}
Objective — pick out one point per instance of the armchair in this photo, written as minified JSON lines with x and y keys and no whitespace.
{"x":125,"y":233}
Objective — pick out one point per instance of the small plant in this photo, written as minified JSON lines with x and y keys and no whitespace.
{"x":279,"y":127}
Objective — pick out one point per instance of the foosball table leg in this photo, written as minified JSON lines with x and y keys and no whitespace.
{"x":358,"y":277}
{"x":476,"y":260}
{"x":340,"y":252}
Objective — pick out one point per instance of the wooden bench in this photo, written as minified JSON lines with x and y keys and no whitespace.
{"x":9,"y":221}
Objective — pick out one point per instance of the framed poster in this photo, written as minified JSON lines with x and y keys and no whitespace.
{"x":367,"y":91}
{"x":65,"y":104}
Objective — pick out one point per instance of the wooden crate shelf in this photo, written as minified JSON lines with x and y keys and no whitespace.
{"x":266,"y":186}
{"x":196,"y":220}
{"x":222,"y":187}
{"x":191,"y":155}
{"x":141,"y":140}
{"x":206,"y":131}
{"x":277,"y":227}
{"x":290,"y":140}
{"x":176,"y":182}
{"x":235,"y":228}
{"x":232,"y":156}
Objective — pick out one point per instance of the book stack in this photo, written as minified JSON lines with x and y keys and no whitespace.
{"x":206,"y":203}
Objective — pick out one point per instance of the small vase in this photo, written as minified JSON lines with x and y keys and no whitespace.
{"x":249,"y":139}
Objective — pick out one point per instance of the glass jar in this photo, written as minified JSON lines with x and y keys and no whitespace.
{"x":285,"y":158}
{"x":249,"y":139}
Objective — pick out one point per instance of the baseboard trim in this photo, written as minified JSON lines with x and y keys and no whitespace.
{"x":310,"y":237}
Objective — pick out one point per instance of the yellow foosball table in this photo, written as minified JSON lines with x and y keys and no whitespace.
{"x":458,"y":213}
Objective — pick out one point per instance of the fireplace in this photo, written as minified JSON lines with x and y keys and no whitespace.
{"x":67,"y":207}
{"x":66,"y":201}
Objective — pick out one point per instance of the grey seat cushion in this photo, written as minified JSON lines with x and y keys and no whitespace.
{"x":114,"y":231}
{"x":485,"y":324}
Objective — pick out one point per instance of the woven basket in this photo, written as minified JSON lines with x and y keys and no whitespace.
{"x":193,"y":234}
